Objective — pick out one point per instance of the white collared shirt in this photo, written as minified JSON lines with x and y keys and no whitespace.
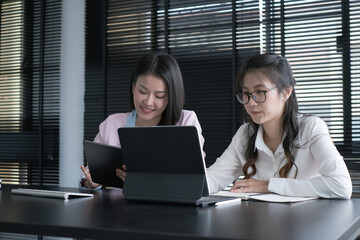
{"x":321,"y":169}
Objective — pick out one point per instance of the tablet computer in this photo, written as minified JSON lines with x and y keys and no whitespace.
{"x":102,"y":161}
{"x":167,"y":162}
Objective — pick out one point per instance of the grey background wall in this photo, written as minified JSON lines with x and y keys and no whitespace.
{"x":72,"y":92}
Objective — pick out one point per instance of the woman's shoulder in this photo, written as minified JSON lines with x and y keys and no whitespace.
{"x":241,"y":137}
{"x":243,"y":132}
{"x":116,"y":119}
{"x":187,"y":117}
{"x":310,"y":122}
{"x":185,"y":112}
{"x":116,"y":116}
{"x":310,"y":125}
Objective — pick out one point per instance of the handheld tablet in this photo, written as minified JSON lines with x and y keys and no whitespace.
{"x":102,"y":161}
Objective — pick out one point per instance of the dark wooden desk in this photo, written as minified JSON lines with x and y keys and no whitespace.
{"x":109,"y":216}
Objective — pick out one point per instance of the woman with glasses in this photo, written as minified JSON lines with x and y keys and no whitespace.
{"x":279,"y":150}
{"x":156,"y":98}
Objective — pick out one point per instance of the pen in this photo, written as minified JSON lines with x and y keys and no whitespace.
{"x":228,"y":201}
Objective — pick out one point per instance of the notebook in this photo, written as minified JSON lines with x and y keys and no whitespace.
{"x":267,"y":197}
{"x":165,"y":164}
{"x":102,"y":161}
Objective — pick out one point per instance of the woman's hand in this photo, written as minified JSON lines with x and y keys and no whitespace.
{"x":121,"y":173}
{"x":87,"y":181}
{"x":250,"y":186}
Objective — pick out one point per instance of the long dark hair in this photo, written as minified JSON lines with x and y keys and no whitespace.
{"x":278,"y":70}
{"x":164,"y":66}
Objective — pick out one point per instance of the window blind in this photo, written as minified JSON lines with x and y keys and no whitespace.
{"x":210,"y":39}
{"x":354,"y":22}
{"x":30,"y":91}
{"x":315,"y":38}
{"x":12,"y":40}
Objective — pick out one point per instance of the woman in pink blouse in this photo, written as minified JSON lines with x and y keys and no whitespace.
{"x":156,"y":98}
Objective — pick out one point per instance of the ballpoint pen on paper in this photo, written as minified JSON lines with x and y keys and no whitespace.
{"x":228,"y":201}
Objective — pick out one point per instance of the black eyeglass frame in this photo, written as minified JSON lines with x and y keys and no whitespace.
{"x":238,"y":96}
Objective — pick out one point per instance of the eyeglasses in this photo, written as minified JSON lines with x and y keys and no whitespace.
{"x":258,"y":96}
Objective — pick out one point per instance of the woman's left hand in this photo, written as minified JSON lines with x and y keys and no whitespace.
{"x":121,"y":173}
{"x":250,"y":186}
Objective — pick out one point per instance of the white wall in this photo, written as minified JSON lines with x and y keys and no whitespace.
{"x":72,"y":92}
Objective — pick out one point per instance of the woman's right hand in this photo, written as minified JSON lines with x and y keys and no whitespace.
{"x":121,"y":173}
{"x":87,"y":181}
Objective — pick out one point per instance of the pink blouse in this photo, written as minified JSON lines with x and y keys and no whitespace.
{"x":108,"y":133}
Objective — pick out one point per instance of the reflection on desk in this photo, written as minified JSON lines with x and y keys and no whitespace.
{"x":108,"y":216}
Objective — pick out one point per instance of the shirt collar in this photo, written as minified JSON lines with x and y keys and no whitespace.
{"x":260,"y":144}
{"x":131,"y":119}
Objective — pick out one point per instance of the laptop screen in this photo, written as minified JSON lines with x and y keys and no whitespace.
{"x":166,"y":161}
{"x":162,"y":149}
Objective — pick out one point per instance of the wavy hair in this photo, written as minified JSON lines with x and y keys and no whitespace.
{"x":164,"y":66}
{"x":278,"y":70}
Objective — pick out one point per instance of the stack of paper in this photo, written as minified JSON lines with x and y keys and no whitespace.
{"x":268,"y":197}
{"x":243,"y":196}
